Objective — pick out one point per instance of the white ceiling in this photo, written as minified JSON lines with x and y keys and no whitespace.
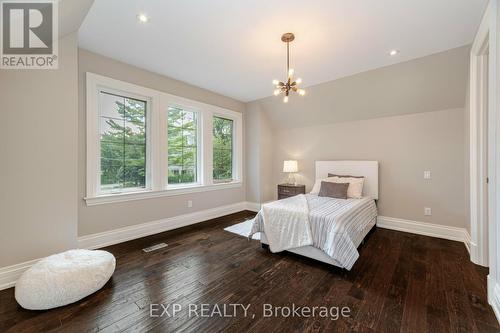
{"x":233,"y":47}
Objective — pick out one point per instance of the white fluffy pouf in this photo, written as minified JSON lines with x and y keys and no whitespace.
{"x":64,"y":278}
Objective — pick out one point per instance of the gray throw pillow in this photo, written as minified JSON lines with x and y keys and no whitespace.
{"x":333,"y":190}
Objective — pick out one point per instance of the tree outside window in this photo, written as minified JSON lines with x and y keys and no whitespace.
{"x":182,"y":146}
{"x":122,"y":142}
{"x":222,"y":149}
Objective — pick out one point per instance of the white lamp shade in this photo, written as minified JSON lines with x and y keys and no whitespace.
{"x":290,"y":166}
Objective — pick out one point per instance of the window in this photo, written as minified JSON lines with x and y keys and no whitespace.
{"x":182,"y":146}
{"x":222,"y":149}
{"x":143,"y":143}
{"x":122,"y":123}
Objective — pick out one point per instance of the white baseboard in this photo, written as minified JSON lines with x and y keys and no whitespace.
{"x":490,"y":286}
{"x":467,"y":240}
{"x":494,"y":297}
{"x":426,"y":229}
{"x":253,"y":206}
{"x":475,"y":256}
{"x":121,"y":235}
{"x":10,"y":274}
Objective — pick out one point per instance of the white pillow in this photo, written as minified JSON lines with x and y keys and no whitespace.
{"x":317,"y":186}
{"x":355,"y":189}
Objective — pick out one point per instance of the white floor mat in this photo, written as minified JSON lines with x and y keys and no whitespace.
{"x":243,"y":229}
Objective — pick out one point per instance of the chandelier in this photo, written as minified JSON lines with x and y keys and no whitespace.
{"x":290,"y":84}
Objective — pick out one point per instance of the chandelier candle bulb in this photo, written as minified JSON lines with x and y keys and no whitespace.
{"x":289,"y":84}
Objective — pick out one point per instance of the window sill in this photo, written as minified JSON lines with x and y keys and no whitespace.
{"x":170,"y":191}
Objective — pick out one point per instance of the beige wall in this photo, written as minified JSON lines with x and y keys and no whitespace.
{"x":405,"y":146}
{"x":409,"y":116}
{"x":38,"y":206}
{"x":101,"y":218}
{"x":259,"y":138}
{"x":253,"y":147}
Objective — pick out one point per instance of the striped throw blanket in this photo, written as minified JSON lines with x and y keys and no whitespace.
{"x":337,"y":226}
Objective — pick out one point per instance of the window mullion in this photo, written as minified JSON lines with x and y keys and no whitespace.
{"x":161,"y":150}
{"x":208,"y":158}
{"x":200,"y":150}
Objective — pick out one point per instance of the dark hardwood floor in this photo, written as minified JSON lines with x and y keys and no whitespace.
{"x":401,"y":283}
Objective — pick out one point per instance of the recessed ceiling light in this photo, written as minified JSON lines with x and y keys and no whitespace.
{"x":393,"y":53}
{"x":142,"y":18}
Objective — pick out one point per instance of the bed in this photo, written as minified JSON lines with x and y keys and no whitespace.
{"x":337,"y":226}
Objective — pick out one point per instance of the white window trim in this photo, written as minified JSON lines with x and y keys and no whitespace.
{"x":157,"y":151}
{"x":95,"y":84}
{"x":237,"y":139}
{"x":133,"y":196}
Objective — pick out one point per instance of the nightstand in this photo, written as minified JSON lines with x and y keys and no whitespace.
{"x":290,"y":190}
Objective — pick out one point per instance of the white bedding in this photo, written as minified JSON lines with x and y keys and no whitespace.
{"x":286,"y":223}
{"x":337,"y":226}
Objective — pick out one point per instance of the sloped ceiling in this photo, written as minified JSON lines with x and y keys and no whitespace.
{"x":234,"y":48}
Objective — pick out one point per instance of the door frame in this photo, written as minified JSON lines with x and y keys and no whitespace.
{"x":478,"y":110}
{"x":484,"y":226}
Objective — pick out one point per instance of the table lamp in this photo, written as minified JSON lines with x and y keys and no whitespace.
{"x":290,"y":166}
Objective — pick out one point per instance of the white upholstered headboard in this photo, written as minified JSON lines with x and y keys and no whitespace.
{"x":368,"y":169}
